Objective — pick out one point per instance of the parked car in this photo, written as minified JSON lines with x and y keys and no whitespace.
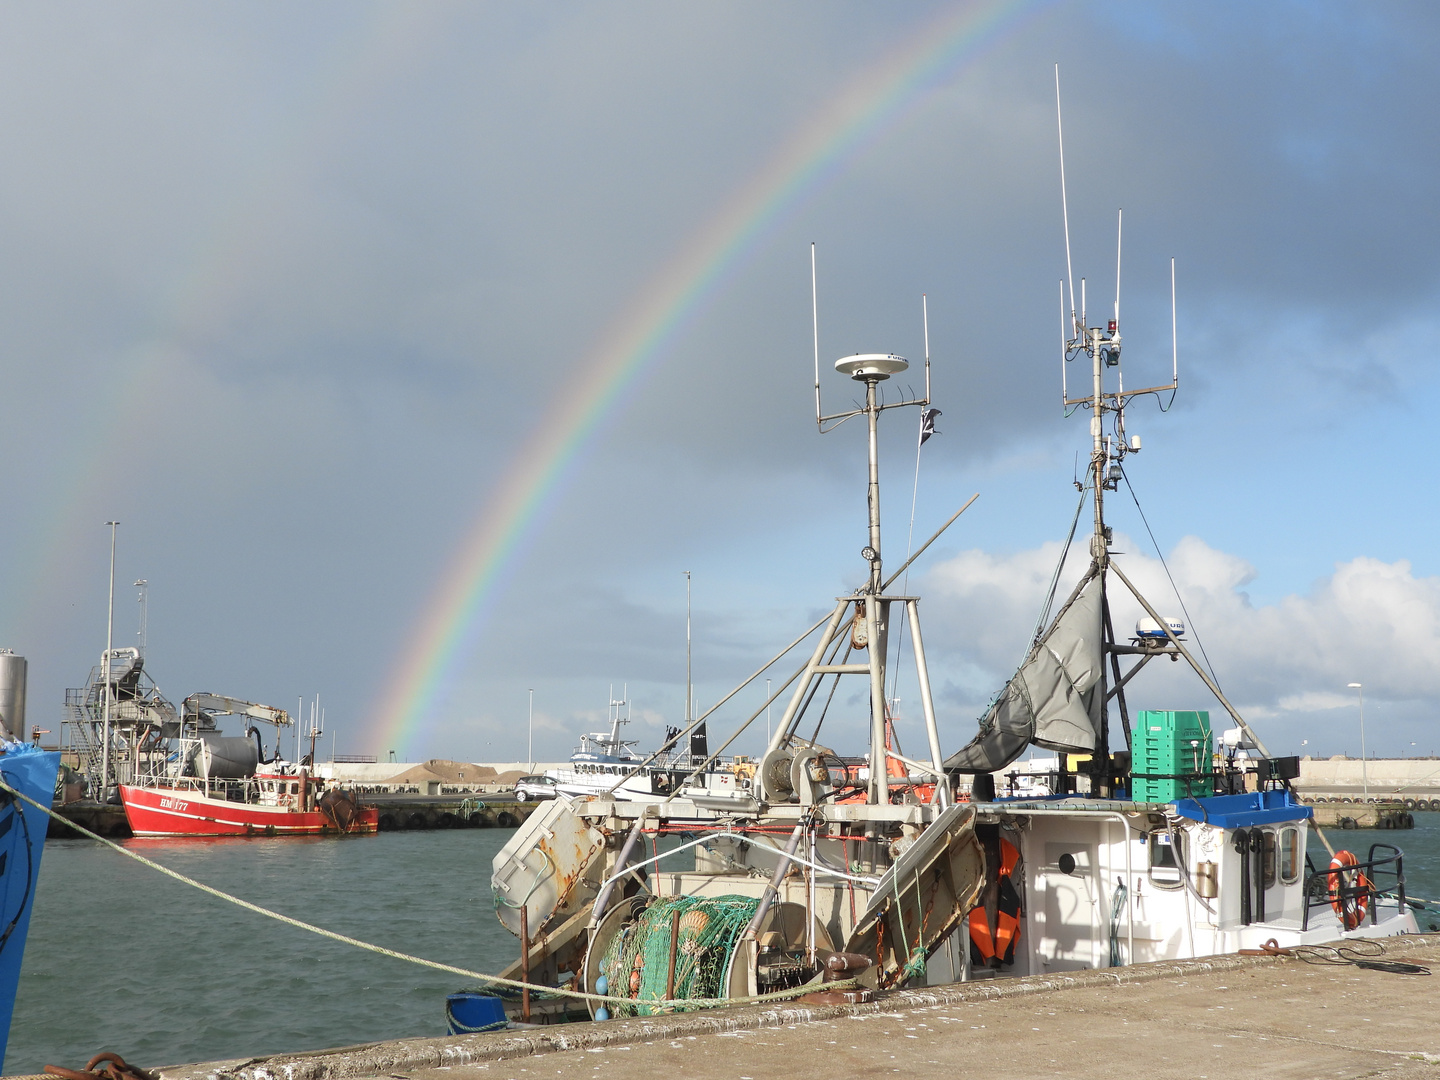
{"x":534,"y":787}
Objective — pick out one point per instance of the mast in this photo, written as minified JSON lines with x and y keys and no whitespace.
{"x":869,"y":625}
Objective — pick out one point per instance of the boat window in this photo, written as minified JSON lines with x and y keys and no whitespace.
{"x":1267,"y":859}
{"x":1165,"y":861}
{"x":1289,"y":855}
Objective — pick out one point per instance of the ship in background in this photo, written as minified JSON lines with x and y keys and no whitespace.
{"x":605,"y":764}
{"x":177,"y":774}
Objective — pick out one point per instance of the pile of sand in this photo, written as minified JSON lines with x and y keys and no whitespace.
{"x":446,"y":772}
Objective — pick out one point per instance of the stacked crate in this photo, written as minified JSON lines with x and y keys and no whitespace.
{"x":1171,"y":756}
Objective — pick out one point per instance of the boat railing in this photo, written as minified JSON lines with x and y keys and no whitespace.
{"x":1358,"y":888}
{"x":233,"y":790}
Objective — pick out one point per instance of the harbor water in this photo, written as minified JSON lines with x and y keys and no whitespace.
{"x":121,"y":958}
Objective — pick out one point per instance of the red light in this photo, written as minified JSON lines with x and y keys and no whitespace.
{"x":1112,"y":326}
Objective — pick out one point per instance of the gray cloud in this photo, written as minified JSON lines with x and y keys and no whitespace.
{"x":285,"y":290}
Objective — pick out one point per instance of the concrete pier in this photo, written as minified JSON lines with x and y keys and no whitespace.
{"x":1362,"y":815}
{"x":1224,"y":1017}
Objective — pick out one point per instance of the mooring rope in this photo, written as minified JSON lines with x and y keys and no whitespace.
{"x":344,"y":939}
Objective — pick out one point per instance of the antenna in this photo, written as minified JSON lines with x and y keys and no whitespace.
{"x":925,"y":321}
{"x":1064,"y":205}
{"x":815,"y":315}
{"x":1064,"y":348}
{"x":1084,"y":318}
{"x":1119,"y":231}
{"x":1174,"y":341}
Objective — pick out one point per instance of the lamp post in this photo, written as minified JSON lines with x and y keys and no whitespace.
{"x":688,"y":702}
{"x":109,"y":646}
{"x":1364,"y":780}
{"x":530,"y":746}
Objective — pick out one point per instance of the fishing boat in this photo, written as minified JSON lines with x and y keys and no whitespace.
{"x":919,"y":871}
{"x":212,"y":785}
{"x":606,"y":764}
{"x":27,"y":769}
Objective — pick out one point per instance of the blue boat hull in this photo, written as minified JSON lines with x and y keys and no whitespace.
{"x":22,"y":839}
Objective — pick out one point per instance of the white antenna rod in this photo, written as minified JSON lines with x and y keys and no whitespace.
{"x":1119,"y":232}
{"x":1174,"y":341}
{"x":1064,"y":340}
{"x":1084,"y":317}
{"x":1064,"y":205}
{"x":815,"y":315}
{"x":925,"y":320}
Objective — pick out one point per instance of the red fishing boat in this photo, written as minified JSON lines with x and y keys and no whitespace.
{"x":288,"y":802}
{"x":193,"y":781}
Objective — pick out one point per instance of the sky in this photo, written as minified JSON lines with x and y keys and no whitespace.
{"x":421,"y":349}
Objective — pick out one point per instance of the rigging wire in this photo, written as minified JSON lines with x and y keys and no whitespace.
{"x":909,"y":547}
{"x":1189,"y":621}
{"x":1059,"y":567}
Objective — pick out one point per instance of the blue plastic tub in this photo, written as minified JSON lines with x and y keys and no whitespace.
{"x":468,"y":1012}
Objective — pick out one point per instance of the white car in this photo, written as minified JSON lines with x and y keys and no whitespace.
{"x":534,"y":787}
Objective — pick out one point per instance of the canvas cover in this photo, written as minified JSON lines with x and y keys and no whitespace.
{"x":1049,"y":701}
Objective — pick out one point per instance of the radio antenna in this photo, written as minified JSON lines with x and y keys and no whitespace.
{"x":1064,"y":349}
{"x":925,"y":322}
{"x":1174,"y":341}
{"x":815,"y":316}
{"x":1119,"y":232}
{"x":1064,"y":204}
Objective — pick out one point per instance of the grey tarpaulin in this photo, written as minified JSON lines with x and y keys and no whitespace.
{"x":1048,"y":701}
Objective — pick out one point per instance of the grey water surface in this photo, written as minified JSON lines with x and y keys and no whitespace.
{"x":121,"y":958}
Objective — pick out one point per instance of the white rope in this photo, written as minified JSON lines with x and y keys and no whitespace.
{"x":496,"y":980}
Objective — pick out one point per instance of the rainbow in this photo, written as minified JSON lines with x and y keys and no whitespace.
{"x":470,"y":586}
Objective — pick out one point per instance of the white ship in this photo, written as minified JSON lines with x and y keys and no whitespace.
{"x":606,"y":765}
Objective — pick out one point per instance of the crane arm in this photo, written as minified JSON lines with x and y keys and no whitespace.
{"x":219,"y":703}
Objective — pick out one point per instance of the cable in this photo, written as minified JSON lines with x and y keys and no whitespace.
{"x":29,"y":874}
{"x":1059,"y":567}
{"x":1189,"y":621}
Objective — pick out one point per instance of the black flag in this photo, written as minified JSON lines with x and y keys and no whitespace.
{"x":927,"y":424}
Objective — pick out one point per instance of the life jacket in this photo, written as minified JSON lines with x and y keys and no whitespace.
{"x":989,"y":948}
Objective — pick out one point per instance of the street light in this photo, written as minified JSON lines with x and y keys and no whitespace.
{"x":109,"y":690}
{"x":530,"y":746}
{"x":1364,"y":781}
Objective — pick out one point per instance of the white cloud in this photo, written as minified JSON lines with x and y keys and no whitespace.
{"x":1370,"y":621}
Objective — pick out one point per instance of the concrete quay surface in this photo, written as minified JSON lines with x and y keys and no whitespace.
{"x":1217,"y":1018}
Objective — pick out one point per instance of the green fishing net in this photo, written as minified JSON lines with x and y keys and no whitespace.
{"x":637,"y":961}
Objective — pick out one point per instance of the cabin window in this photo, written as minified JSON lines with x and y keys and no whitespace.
{"x":1166,"y":859}
{"x":1289,"y":856}
{"x":1267,"y":858}
{"x":294,"y":789}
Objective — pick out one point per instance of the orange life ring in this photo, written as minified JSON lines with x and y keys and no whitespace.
{"x":1349,"y":890}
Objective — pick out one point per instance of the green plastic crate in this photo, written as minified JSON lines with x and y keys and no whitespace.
{"x":1166,"y":746}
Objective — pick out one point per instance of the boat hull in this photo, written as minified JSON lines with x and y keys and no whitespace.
{"x":159,"y":811}
{"x":30,"y":771}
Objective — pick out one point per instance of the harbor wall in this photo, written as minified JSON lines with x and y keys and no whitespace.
{"x":1383,"y":777}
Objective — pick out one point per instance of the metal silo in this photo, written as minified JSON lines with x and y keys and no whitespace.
{"x":12,"y":694}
